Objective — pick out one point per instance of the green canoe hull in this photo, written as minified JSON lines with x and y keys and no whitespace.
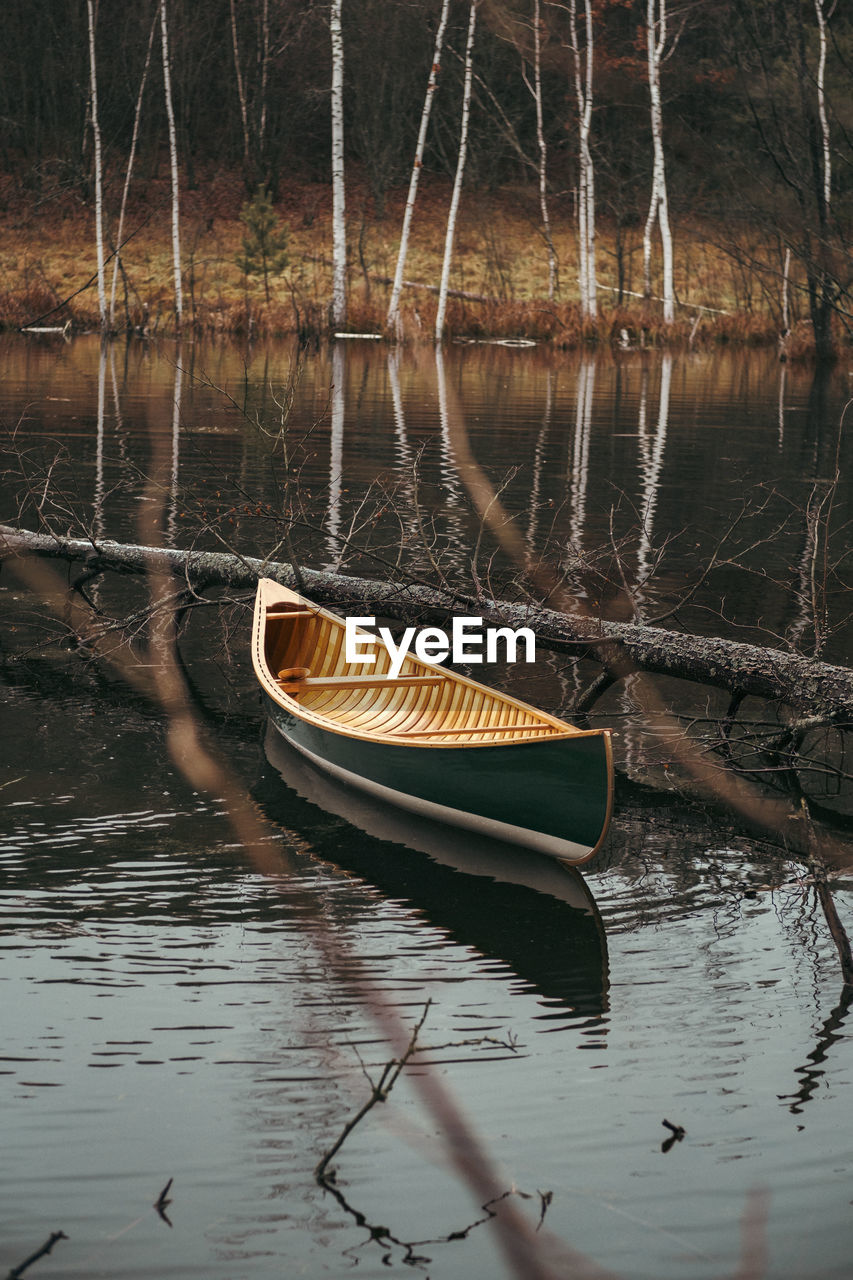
{"x":552,"y":795}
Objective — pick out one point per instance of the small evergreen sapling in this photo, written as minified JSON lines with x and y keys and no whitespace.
{"x":265,"y":239}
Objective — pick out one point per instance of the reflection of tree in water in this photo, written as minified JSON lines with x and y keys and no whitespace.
{"x":812,"y":1072}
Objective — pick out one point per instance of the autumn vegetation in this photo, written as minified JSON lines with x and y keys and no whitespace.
{"x":756,"y":127}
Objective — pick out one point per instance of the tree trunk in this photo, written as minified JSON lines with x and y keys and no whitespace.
{"x":457,"y":183}
{"x":339,"y":233}
{"x":99,"y":189}
{"x":393,"y":320}
{"x":173,"y":160}
{"x":811,"y":687}
{"x":241,"y":90}
{"x":659,"y":205}
{"x":543,"y":151}
{"x":265,"y":63}
{"x":821,"y":109}
{"x":583,"y":71}
{"x":130,"y":159}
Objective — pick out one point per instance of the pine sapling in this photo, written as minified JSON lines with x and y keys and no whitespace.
{"x":265,"y":240}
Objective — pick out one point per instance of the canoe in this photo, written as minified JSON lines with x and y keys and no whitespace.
{"x":430,"y":740}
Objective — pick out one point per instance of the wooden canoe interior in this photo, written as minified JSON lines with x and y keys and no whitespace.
{"x":303,"y":651}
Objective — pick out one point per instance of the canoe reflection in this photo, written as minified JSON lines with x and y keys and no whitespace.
{"x":531,"y":913}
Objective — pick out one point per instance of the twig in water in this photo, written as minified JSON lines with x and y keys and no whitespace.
{"x":39,"y":1253}
{"x":379,"y":1093}
{"x":676,"y":1131}
{"x":545,"y":1198}
{"x":163,"y":1201}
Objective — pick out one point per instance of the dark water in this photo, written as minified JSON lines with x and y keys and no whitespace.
{"x":169,"y":1012}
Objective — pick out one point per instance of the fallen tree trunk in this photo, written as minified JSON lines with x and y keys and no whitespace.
{"x":819,"y":690}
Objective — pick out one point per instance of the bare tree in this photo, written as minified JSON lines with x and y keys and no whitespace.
{"x":130,"y":159}
{"x":659,"y":205}
{"x":582,"y":75}
{"x":543,"y":151}
{"x":264,"y":60}
{"x":457,"y":183}
{"x":99,"y":180}
{"x":823,"y":14}
{"x":173,"y":160}
{"x":393,"y":320}
{"x":339,"y":231}
{"x":241,"y":87}
{"x":535,"y":90}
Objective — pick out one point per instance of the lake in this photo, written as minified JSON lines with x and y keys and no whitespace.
{"x":172,"y":1010}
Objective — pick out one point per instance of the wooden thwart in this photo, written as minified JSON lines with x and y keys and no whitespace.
{"x":355,"y":682}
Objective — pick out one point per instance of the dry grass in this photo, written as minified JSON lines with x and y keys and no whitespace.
{"x":48,"y":254}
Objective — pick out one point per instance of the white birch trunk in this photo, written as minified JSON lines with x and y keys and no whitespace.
{"x":241,"y":90}
{"x":130,"y":159}
{"x":659,"y":206}
{"x":786,"y":323}
{"x":393,"y":320}
{"x":99,"y":189}
{"x":543,"y":151}
{"x":592,"y":282}
{"x":583,"y":71}
{"x":821,"y":107}
{"x":339,"y":232}
{"x":173,"y":158}
{"x":457,"y":183}
{"x":647,"y":237}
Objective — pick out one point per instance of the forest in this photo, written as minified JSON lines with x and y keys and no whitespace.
{"x":622,"y":169}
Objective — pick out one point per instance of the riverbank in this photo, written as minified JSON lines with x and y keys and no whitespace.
{"x":499,"y":277}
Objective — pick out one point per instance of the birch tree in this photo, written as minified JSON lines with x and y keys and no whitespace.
{"x":659,"y":205}
{"x":542,"y":168}
{"x":241,"y":87}
{"x":822,"y":13}
{"x":339,"y":234}
{"x":173,"y":160}
{"x":393,"y":321}
{"x":130,"y":159}
{"x":457,"y":182}
{"x":99,"y":182}
{"x":582,"y":67}
{"x":264,"y":60}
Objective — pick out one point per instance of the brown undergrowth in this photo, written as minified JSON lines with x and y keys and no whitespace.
{"x":47,"y":266}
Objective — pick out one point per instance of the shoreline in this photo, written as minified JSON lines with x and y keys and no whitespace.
{"x":498,"y":282}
